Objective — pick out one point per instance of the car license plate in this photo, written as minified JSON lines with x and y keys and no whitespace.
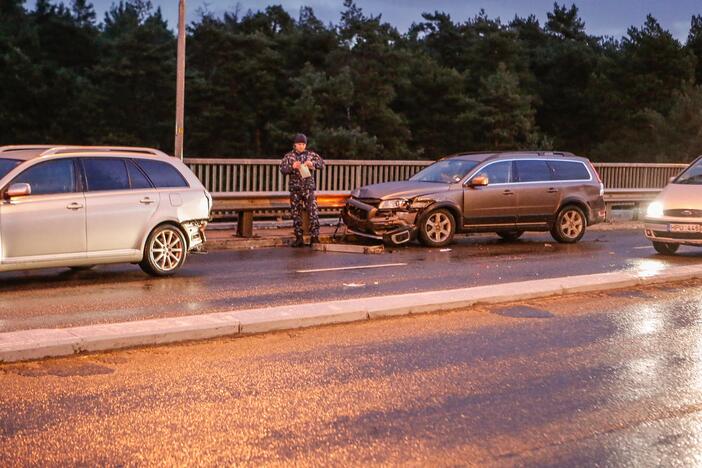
{"x":685,"y":228}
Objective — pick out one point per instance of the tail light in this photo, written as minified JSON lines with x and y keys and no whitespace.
{"x":599,"y":179}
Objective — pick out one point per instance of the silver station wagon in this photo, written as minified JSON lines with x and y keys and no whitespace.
{"x":78,"y":206}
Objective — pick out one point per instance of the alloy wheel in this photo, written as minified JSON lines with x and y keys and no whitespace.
{"x":167,"y":250}
{"x":438,"y":227}
{"x":571,"y":224}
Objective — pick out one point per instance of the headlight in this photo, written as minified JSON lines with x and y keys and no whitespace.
{"x":392,"y":204}
{"x":655,"y":210}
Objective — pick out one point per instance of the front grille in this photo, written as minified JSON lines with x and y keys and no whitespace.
{"x":683,"y":213}
{"x":678,"y":235}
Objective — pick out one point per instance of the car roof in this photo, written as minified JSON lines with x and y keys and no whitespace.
{"x":27,"y":152}
{"x":21,"y":155}
{"x":486,"y":155}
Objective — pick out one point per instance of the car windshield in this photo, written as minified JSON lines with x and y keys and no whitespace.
{"x":448,"y":171}
{"x":6,"y":165}
{"x":692,"y":175}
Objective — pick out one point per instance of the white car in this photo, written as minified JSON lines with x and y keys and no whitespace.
{"x":78,"y":206}
{"x":674,"y":218}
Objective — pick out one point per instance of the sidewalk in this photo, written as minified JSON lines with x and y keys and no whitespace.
{"x":223,"y":237}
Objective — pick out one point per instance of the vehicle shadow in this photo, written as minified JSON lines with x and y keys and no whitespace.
{"x":65,"y":278}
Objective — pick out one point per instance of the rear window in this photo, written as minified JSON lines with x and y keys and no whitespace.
{"x":105,"y":174}
{"x":136,"y":177}
{"x":6,"y":165}
{"x":531,"y":170}
{"x":162,"y":174}
{"x":568,"y":170}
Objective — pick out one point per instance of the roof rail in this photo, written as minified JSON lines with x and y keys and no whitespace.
{"x":5,"y":149}
{"x":556,"y":153}
{"x":129,"y":149}
{"x":468,"y":153}
{"x":500,"y":152}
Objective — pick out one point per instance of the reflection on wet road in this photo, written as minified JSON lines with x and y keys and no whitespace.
{"x":228,"y":280}
{"x":607,"y":379}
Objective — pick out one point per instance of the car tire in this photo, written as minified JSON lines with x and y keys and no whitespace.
{"x":164,"y":252}
{"x":570,"y":225}
{"x":665,"y":248}
{"x":437,"y":228}
{"x":510,"y":235}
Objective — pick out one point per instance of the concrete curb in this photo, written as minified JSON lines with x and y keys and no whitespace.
{"x":42,"y":343}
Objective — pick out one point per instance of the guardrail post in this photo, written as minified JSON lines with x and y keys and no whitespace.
{"x":244,"y":224}
{"x":637,"y":211}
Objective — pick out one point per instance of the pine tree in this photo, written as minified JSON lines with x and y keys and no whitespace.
{"x":136,"y":76}
{"x":565,"y":23}
{"x":504,"y":118}
{"x":694,"y":45}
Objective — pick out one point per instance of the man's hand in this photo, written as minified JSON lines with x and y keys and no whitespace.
{"x":296,"y":165}
{"x":309,"y":164}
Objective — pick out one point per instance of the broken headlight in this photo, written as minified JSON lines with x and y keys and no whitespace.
{"x":393,"y":204}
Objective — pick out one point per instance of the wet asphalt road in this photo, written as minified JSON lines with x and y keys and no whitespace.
{"x":230,"y":280}
{"x":608,"y":379}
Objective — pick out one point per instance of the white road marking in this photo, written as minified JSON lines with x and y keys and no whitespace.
{"x":352,"y":267}
{"x":644,"y":247}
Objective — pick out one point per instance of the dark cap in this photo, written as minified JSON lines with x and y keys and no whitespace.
{"x":300,"y":138}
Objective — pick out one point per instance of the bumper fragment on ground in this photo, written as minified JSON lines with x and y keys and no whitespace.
{"x":349,"y":248}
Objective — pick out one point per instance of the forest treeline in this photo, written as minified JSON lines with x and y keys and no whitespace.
{"x":360,"y":88}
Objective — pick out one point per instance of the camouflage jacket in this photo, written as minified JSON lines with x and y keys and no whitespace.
{"x":296,"y":181}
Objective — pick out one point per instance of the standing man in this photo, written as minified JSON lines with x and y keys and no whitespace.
{"x":299,"y":164}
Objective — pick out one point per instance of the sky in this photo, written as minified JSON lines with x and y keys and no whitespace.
{"x":601,"y":17}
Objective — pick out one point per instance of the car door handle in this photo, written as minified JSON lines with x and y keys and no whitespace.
{"x":74,"y":206}
{"x":552,"y":190}
{"x":507,"y":192}
{"x":146,"y":201}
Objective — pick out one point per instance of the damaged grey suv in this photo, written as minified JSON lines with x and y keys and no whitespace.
{"x":507,"y":193}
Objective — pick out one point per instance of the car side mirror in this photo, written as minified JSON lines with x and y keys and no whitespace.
{"x":479,"y":181}
{"x":18,"y":190}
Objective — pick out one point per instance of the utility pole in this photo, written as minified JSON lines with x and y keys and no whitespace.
{"x":180,"y":83}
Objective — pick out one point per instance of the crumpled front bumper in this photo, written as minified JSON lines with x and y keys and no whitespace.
{"x":391,"y":226}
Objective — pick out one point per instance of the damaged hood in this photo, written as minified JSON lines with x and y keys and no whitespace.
{"x":402,"y":189}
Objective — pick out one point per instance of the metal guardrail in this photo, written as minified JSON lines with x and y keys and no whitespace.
{"x":262,"y":175}
{"x":644,"y":176}
{"x":630,"y":196}
{"x":246,"y":204}
{"x":247,"y":188}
